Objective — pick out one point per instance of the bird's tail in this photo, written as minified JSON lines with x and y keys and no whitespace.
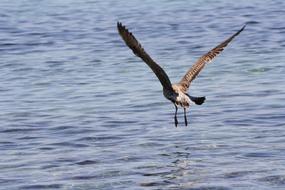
{"x":197,"y":100}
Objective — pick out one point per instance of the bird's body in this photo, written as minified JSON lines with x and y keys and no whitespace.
{"x":177,"y":96}
{"x":176,"y":93}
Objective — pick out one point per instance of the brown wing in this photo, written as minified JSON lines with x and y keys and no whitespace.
{"x":208,"y":57}
{"x":138,"y":50}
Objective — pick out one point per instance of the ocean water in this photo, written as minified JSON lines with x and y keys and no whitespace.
{"x":79,"y":111}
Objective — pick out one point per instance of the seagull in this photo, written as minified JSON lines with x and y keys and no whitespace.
{"x":176,"y":93}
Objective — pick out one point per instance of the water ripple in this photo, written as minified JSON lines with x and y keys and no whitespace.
{"x":80,"y":111}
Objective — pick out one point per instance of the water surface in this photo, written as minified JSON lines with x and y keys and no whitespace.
{"x":80,"y":111}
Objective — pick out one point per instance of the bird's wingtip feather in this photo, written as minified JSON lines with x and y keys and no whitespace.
{"x":119,"y":25}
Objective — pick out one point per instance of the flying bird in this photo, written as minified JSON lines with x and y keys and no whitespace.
{"x":176,"y":93}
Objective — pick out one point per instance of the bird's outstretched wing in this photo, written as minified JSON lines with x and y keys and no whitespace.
{"x":138,"y":50}
{"x":208,"y":57}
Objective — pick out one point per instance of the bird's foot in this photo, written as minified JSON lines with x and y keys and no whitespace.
{"x":186,"y":122}
{"x":185,"y":117}
{"x":176,"y":121}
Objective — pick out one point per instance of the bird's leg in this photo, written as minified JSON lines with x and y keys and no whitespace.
{"x":175,"y":116}
{"x":185,"y":117}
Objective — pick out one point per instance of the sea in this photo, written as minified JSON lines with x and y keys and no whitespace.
{"x":78,"y":110}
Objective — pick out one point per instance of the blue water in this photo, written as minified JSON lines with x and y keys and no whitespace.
{"x":79,"y":111}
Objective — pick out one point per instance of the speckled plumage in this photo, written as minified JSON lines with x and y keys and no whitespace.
{"x":176,"y":93}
